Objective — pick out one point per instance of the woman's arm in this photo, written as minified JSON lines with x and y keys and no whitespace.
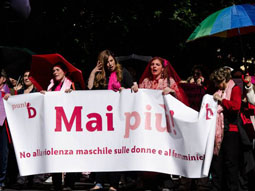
{"x":145,"y":84}
{"x":92,"y":75}
{"x":173,"y":89}
{"x":234,"y":104}
{"x":168,"y":90}
{"x":134,"y":88}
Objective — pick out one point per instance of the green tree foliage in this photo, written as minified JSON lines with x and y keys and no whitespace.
{"x":79,"y":29}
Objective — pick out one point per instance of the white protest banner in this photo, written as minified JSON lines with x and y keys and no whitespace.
{"x":103,"y":130}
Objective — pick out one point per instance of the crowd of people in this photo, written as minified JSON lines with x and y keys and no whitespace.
{"x":233,"y":165}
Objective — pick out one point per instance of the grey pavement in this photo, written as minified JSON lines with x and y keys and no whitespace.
{"x":85,"y":184}
{"x":48,"y":186}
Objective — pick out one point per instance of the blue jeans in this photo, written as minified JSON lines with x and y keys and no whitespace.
{"x":3,"y":154}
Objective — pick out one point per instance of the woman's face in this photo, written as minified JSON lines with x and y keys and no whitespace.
{"x":58,"y":73}
{"x":111,"y":65}
{"x":13,"y":81}
{"x":27,"y":82}
{"x":2,"y":80}
{"x":156,"y":68}
{"x":197,"y":73}
{"x":222,"y":85}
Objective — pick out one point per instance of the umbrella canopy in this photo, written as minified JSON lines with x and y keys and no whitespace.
{"x":134,"y":64}
{"x":41,"y":70}
{"x":228,"y":22}
{"x":15,"y":60}
{"x":135,"y":57}
{"x":14,"y":10}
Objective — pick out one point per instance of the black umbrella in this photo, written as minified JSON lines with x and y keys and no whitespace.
{"x":14,"y":10}
{"x":15,"y":61}
{"x":134,"y":57}
{"x":135,"y":64}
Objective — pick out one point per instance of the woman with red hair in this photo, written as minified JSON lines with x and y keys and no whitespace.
{"x":160,"y":75}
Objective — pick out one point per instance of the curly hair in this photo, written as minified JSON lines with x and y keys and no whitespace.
{"x":220,"y":75}
{"x":100,"y":79}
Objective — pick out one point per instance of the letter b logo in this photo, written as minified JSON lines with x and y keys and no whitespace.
{"x":31,"y":111}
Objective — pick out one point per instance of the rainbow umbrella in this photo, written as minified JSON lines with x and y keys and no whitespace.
{"x":228,"y":22}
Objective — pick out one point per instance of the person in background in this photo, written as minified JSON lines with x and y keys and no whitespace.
{"x":237,"y":73}
{"x":196,"y":76}
{"x":251,"y":72}
{"x":108,"y":74}
{"x":4,"y":132}
{"x":16,"y":84}
{"x":228,"y":69}
{"x":21,"y":181}
{"x":250,"y":121}
{"x":27,"y":85}
{"x":249,"y":86}
{"x":195,"y":86}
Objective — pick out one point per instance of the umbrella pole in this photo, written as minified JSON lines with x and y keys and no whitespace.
{"x":18,"y":81}
{"x":243,"y":53}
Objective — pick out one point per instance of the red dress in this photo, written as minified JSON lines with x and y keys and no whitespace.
{"x":162,"y":84}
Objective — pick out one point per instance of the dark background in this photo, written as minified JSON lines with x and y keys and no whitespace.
{"x":80,"y":29}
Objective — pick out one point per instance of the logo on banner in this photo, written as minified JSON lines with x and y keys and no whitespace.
{"x":209,"y":111}
{"x":30,"y":110}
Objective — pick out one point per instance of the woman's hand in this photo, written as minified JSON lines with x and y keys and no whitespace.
{"x":134,"y":88}
{"x":68,"y":90}
{"x":98,"y":67}
{"x":43,"y":91}
{"x":92,"y":75}
{"x":217,"y":97}
{"x":120,"y":89}
{"x":168,"y":90}
{"x":6,"y":96}
{"x":200,"y":81}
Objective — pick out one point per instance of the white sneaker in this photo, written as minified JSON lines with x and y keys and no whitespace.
{"x":49,"y":180}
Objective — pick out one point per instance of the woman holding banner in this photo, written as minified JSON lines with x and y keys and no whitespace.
{"x":226,"y":162}
{"x":21,"y":181}
{"x":160,"y":75}
{"x":108,"y":74}
{"x":62,"y":83}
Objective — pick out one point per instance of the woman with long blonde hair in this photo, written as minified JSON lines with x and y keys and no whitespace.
{"x":109,"y":74}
